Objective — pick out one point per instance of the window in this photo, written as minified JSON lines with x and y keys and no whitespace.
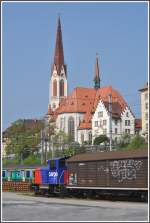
{"x":28,"y":173}
{"x":127,"y":114}
{"x":54,"y":88}
{"x":61,"y":88}
{"x":100,"y":114}
{"x":96,"y":123}
{"x":104,"y":122}
{"x":100,"y":123}
{"x":146,"y":95}
{"x":146,"y":126}
{"x":82,"y":137}
{"x":4,"y":173}
{"x":116,"y":121}
{"x":146,"y":105}
{"x":71,"y":127}
{"x":127,"y":122}
{"x":52,"y":164}
{"x":146,"y":116}
{"x":90,"y":137}
{"x":127,"y":131}
{"x":116,"y":131}
{"x":61,"y":123}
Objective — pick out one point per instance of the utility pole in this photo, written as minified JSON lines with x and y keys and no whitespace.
{"x":42,"y":150}
{"x":110,"y":122}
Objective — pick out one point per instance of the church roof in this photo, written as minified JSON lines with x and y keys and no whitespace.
{"x":59,"y":54}
{"x":85,"y":100}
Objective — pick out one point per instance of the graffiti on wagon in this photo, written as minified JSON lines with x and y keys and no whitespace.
{"x":125,"y":169}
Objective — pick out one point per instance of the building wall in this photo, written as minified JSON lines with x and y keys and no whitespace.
{"x":144,"y":111}
{"x":62,"y":123}
{"x":83,"y":135}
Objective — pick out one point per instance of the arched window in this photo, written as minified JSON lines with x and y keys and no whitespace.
{"x":71,"y":127}
{"x":61,"y":87}
{"x":54,"y":88}
{"x":82,"y":138}
{"x":90,"y":137}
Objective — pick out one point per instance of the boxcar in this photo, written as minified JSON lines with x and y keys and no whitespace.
{"x":109,"y":172}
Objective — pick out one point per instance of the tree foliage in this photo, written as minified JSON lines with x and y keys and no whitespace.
{"x":23,"y":139}
{"x":100,"y":139}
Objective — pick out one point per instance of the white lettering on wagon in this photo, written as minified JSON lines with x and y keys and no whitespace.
{"x":53,"y":174}
{"x":125,"y":169}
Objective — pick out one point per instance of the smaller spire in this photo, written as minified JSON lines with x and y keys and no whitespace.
{"x":97,"y":75}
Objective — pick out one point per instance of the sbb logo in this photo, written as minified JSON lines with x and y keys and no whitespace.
{"x":53,"y":174}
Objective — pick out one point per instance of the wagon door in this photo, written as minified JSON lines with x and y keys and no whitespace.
{"x":82,"y":174}
{"x":91,"y":173}
{"x":102,"y":174}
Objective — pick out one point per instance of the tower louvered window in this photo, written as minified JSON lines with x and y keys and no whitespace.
{"x":62,"y":88}
{"x":54,"y":88}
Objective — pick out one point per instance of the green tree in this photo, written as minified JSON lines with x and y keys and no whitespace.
{"x":24,"y":138}
{"x":100,"y":139}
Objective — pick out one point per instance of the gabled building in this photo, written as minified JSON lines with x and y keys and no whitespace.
{"x":85,"y":113}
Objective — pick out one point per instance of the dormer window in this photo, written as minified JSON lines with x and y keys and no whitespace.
{"x":100,"y":114}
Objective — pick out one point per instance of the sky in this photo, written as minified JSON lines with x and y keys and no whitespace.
{"x":118,"y":32}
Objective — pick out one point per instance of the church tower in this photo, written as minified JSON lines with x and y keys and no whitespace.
{"x":58,"y":80}
{"x":97,"y":74}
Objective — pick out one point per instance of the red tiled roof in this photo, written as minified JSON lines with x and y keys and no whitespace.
{"x":85,"y":100}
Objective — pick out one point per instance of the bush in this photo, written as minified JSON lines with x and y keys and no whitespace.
{"x":137,"y":142}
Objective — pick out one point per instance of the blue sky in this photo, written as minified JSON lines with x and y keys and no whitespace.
{"x":117,"y":31}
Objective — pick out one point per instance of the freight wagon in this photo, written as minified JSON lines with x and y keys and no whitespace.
{"x":115,"y":173}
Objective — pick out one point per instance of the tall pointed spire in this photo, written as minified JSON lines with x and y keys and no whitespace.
{"x":59,"y":54}
{"x":97,"y":74}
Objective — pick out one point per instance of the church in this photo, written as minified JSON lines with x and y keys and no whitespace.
{"x":87,"y":112}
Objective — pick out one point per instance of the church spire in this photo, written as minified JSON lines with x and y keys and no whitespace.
{"x":59,"y":54}
{"x":96,"y":76}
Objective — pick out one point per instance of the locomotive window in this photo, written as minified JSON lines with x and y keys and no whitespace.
{"x":61,"y":163}
{"x":52,"y":164}
{"x":4,"y":173}
{"x":27,"y":173}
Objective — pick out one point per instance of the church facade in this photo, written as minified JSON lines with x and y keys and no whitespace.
{"x":87,"y":112}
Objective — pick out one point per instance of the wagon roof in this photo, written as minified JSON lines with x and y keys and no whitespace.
{"x":109,"y":155}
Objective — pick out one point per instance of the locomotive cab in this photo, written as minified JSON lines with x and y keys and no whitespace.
{"x":57,"y":171}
